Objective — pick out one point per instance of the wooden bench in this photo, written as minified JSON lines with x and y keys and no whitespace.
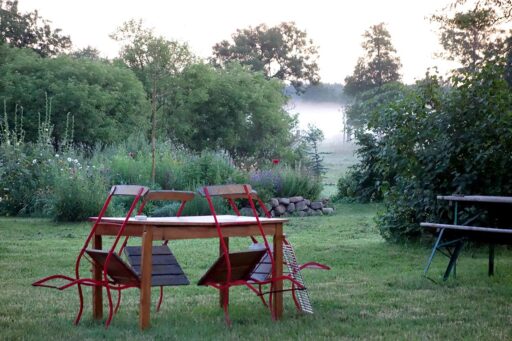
{"x":451,"y":237}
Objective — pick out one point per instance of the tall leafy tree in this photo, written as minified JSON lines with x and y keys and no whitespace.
{"x":473,"y":34}
{"x":283,"y":52}
{"x":107,"y":102}
{"x":30,"y":30}
{"x":233,"y":110}
{"x":379,"y":65}
{"x":155,"y":60}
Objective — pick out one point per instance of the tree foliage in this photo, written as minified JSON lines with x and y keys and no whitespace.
{"x":30,"y":30}
{"x":231,"y":109}
{"x":313,"y":136}
{"x":155,"y":60}
{"x":378,"y":66}
{"x":283,"y":52}
{"x":473,"y":34}
{"x":436,"y":140}
{"x":107,"y":102}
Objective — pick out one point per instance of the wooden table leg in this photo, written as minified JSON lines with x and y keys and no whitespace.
{"x":225,"y":292}
{"x":97,"y":291}
{"x":145,"y":285}
{"x":277,"y":299}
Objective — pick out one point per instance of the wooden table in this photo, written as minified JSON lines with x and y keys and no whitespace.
{"x":452,"y":236}
{"x":172,"y":228}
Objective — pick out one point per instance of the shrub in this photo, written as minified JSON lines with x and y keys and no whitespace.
{"x":436,"y":141}
{"x":285,"y":182}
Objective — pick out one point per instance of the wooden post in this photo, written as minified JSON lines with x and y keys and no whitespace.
{"x":278,"y":272}
{"x":145,"y":285}
{"x":97,"y":291}
{"x":225,"y":292}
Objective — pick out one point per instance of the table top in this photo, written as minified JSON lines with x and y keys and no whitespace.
{"x":224,"y":220}
{"x":477,"y":198}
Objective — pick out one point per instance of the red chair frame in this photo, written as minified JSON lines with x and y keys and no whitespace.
{"x":137,"y":192}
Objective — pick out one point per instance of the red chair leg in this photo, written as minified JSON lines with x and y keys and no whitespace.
{"x":118,"y":302}
{"x":81,"y":309}
{"x":160,"y":299}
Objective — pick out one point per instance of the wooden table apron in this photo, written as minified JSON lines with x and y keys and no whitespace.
{"x":185,"y":228}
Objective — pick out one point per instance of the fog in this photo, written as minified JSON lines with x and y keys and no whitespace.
{"x":326,"y":116}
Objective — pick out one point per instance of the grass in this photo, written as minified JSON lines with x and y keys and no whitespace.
{"x":375,"y":290}
{"x":338,"y":157}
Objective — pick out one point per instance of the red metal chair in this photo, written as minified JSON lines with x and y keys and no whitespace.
{"x":117,"y":275}
{"x":236,"y":268}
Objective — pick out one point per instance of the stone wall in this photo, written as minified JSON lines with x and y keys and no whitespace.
{"x":282,"y":207}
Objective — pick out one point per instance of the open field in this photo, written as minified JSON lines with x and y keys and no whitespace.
{"x":338,"y":158}
{"x":375,"y":290}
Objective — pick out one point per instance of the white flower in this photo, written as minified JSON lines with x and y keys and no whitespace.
{"x":75,"y":161}
{"x":34,"y":161}
{"x":69,"y":159}
{"x":56,"y":155}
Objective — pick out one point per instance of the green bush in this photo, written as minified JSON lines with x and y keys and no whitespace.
{"x":436,"y":140}
{"x":285,"y":182}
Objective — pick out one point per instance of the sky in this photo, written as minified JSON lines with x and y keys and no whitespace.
{"x":335,"y":26}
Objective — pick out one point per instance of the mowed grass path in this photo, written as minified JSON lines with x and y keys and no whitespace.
{"x":375,"y":290}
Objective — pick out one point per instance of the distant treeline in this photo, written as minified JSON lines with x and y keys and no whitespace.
{"x":323,"y":92}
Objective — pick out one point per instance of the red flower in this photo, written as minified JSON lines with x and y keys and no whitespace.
{"x":275,"y":161}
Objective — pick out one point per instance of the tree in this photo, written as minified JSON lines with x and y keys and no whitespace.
{"x":233,"y":110}
{"x":88,"y":52}
{"x":379,"y":66}
{"x":283,"y":52}
{"x":107,"y":102}
{"x":155,"y":60}
{"x":313,"y":137}
{"x":29,"y":30}
{"x":473,"y":35}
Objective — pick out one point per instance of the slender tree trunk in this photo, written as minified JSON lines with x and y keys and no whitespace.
{"x":153,"y":132}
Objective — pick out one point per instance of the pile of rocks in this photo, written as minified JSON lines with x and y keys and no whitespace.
{"x":282,"y":207}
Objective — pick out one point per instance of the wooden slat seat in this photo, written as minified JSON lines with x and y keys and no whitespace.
{"x":166,"y":270}
{"x":242,"y":265}
{"x":117,"y":269}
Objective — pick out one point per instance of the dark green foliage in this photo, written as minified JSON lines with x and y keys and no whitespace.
{"x":379,"y":66}
{"x":107,"y":102}
{"x":29,"y":30}
{"x":231,"y":109}
{"x":473,"y":34}
{"x":373,"y":100}
{"x":283,"y":52}
{"x":436,"y":141}
{"x":285,"y":182}
{"x":313,"y":136}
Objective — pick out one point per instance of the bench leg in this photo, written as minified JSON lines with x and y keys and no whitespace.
{"x":453,"y":260}
{"x":434,"y":249}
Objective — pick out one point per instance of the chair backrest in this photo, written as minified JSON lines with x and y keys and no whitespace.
{"x":138,"y":192}
{"x":226,"y":190}
{"x":230,"y":192}
{"x":166,"y":195}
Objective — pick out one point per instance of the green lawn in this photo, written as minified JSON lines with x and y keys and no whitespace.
{"x":374,"y":291}
{"x":338,"y":158}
